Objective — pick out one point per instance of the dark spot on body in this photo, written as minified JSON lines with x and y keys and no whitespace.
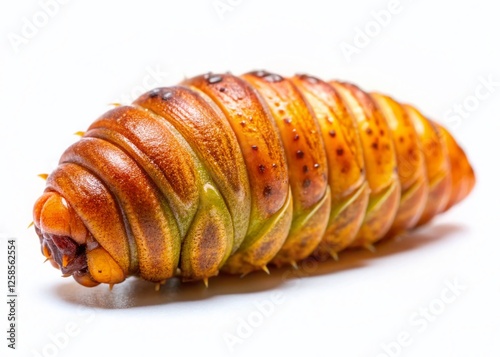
{"x":382,"y":132}
{"x":262,"y":168}
{"x":222,"y":89}
{"x":308,"y":78}
{"x":332,"y":133}
{"x":401,"y":139}
{"x":369,"y":131}
{"x":340,"y":151}
{"x":306,"y":183}
{"x":255,"y":147}
{"x":296,"y":137}
{"x":259,"y":73}
{"x":374,"y":146}
{"x":305,"y":168}
{"x":316,"y":166}
{"x":287,"y":120}
{"x":213,"y":79}
{"x":243,"y":123}
{"x":268,"y":76}
{"x":412,"y":154}
{"x":275,"y":166}
{"x":300,"y":154}
{"x":154,"y":93}
{"x":209,"y":245}
{"x":267,"y":191}
{"x":273,"y":78}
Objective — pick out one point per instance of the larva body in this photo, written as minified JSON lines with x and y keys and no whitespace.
{"x":232,"y":173}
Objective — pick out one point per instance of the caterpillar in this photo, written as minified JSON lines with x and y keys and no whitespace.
{"x":232,"y":173}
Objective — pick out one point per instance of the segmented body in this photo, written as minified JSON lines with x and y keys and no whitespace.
{"x":232,"y":173}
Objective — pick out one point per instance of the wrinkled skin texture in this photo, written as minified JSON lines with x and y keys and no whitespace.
{"x":228,"y":173}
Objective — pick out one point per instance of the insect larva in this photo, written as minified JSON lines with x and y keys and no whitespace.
{"x":232,"y":173}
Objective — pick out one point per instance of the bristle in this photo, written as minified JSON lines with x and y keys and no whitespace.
{"x":65,"y":260}
{"x":370,"y":247}
{"x":334,"y":255}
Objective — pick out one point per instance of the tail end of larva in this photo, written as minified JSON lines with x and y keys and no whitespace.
{"x":463,"y":178}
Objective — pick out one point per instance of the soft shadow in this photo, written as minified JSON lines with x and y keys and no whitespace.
{"x":136,"y":292}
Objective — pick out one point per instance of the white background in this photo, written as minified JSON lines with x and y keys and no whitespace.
{"x":85,"y":55}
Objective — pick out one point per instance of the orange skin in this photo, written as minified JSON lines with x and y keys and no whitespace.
{"x":307,"y":163}
{"x":437,"y":165}
{"x":411,"y":164}
{"x":346,"y":167}
{"x":265,"y":161}
{"x":380,"y":163}
{"x":227,"y":173}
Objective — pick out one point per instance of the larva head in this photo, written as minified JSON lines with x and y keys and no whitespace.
{"x":68,"y":245}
